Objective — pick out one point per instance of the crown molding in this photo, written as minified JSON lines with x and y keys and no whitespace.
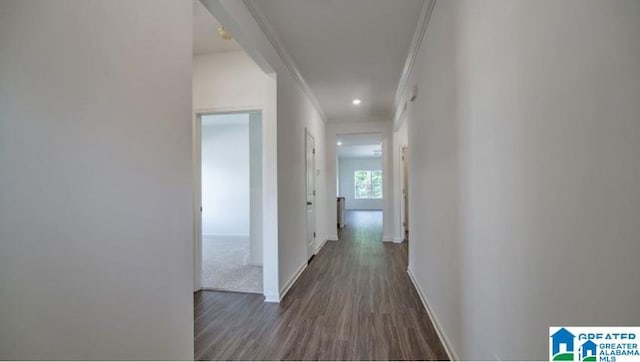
{"x":288,"y":62}
{"x":416,"y":43}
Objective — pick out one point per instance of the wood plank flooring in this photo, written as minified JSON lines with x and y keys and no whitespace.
{"x":353,"y":302}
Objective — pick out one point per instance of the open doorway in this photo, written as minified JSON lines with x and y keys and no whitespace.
{"x":231,"y":201}
{"x":234,"y":132}
{"x":229,"y":86}
{"x":360,"y":181}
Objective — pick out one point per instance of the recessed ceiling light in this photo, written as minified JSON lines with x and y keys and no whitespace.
{"x":339,"y":143}
{"x":356,"y":102}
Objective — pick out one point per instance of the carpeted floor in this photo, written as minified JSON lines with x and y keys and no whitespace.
{"x":225,"y":265}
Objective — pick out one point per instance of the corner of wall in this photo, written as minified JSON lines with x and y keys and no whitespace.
{"x":271,"y":297}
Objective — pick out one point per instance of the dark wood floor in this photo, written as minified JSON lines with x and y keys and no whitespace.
{"x":353,"y":302}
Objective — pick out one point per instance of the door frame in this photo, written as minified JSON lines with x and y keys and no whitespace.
{"x":310,"y":252}
{"x":405,"y":192}
{"x":197,"y":182}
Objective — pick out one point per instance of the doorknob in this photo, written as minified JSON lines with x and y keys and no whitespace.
{"x":309,"y":203}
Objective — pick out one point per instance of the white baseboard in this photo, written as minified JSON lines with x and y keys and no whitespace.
{"x":387,"y":239}
{"x":285,"y":288}
{"x":398,"y":241}
{"x":271,"y":298}
{"x":333,"y":237}
{"x":320,"y":247}
{"x":443,"y":338}
{"x":226,"y":235}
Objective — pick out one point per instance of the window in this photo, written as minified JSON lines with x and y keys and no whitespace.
{"x":368,"y":184}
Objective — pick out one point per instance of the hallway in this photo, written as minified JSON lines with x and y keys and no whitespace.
{"x":354,"y":301}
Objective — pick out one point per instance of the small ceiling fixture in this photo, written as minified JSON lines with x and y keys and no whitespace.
{"x":356,"y":102}
{"x":339,"y":143}
{"x":224,"y":33}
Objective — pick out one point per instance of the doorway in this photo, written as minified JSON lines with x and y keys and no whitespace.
{"x":230,"y":172}
{"x":360,"y":178}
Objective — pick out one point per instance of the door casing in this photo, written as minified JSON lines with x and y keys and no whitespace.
{"x":310,"y":176}
{"x":405,"y":191}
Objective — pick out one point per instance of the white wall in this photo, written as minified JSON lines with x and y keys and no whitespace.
{"x":346,"y":169}
{"x":232,"y":82}
{"x":95,"y":195}
{"x":228,"y":80}
{"x":336,"y":128}
{"x":295,"y":113}
{"x":225,"y":175}
{"x":434,"y":257}
{"x":525,"y":139}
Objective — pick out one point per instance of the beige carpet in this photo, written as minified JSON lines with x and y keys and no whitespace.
{"x":225,"y":265}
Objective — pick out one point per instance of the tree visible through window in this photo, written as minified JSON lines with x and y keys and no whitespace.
{"x":368,"y":184}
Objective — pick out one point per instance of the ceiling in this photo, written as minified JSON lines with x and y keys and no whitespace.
{"x":366,"y":145}
{"x":346,"y":49}
{"x":205,"y":33}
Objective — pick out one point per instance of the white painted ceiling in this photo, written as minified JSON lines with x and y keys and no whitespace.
{"x":346,"y":49}
{"x":205,"y":33}
{"x":366,"y":145}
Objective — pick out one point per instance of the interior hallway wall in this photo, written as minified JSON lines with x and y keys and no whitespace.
{"x":295,"y":113}
{"x":346,"y":169}
{"x":434,"y":228}
{"x":96,"y":233}
{"x":228,"y":80}
{"x":525,"y":141}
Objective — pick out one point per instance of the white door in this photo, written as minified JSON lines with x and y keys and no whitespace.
{"x":310,"y":153}
{"x":405,"y":191}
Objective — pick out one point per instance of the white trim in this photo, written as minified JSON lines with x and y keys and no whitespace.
{"x":398,"y":240}
{"x":333,"y":238}
{"x":320,"y":247}
{"x":285,"y":288}
{"x":271,"y":298}
{"x":443,"y":338}
{"x":388,"y":239}
{"x":197,"y":201}
{"x":210,"y":289}
{"x":416,"y":43}
{"x":227,"y":235}
{"x":275,"y":41}
{"x":400,"y":118}
{"x":230,"y":109}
